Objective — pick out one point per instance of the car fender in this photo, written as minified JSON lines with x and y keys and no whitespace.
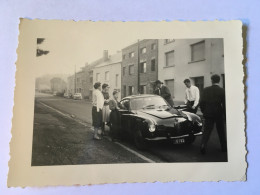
{"x":143,"y":123}
{"x":191,"y":116}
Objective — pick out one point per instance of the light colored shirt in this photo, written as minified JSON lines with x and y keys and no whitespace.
{"x":192,"y":94}
{"x":98,"y":99}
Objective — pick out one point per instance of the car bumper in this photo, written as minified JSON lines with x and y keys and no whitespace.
{"x":173,"y":137}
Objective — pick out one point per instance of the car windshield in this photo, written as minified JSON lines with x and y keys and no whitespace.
{"x":148,"y":103}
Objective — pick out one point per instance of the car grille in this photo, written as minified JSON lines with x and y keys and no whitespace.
{"x":181,"y":128}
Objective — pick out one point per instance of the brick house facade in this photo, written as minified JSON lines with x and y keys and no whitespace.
{"x":138,"y":78}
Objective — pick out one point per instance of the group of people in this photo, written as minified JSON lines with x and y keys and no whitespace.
{"x":211,"y":103}
{"x":104,"y":111}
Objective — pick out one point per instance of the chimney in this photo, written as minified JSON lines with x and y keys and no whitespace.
{"x":105,"y":55}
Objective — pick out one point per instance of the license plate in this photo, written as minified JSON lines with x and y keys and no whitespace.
{"x":179,"y":141}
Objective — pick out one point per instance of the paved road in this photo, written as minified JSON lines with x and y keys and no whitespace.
{"x":78,"y":108}
{"x":157,"y":152}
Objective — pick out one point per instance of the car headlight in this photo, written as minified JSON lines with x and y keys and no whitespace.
{"x":152,"y":127}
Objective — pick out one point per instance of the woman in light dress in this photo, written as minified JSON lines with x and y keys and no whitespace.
{"x":105,"y":110}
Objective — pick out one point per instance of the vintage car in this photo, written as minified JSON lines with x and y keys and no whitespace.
{"x":77,"y":96}
{"x":149,"y":118}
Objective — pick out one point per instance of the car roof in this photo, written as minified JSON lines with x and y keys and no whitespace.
{"x":140,"y":96}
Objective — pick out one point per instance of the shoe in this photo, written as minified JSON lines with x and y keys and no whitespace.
{"x":202,"y":149}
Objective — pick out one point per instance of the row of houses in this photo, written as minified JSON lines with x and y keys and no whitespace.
{"x":135,"y":68}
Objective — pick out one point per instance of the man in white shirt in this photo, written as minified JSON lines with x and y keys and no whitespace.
{"x":192,"y":96}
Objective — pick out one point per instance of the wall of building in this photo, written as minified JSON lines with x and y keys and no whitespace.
{"x":183,"y":67}
{"x":147,"y":78}
{"x":113,"y":69}
{"x":71,"y":85}
{"x":58,"y":85}
{"x":129,"y":80}
{"x":150,"y":76}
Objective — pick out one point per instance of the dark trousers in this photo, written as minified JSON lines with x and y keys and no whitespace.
{"x":96,"y":117}
{"x":189,"y":107}
{"x":115,"y":122}
{"x":209,"y":124}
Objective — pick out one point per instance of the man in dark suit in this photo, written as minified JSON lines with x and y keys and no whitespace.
{"x":212,"y":104}
{"x":163,"y":91}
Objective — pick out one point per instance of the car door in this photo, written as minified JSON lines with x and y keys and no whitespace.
{"x":125,"y":115}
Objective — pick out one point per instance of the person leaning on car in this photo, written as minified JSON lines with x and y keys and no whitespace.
{"x":114,"y":106}
{"x":163,"y":91}
{"x":212,"y":104}
{"x":192,"y":96}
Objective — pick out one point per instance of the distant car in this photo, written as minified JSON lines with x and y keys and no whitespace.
{"x":54,"y":93}
{"x":150,"y":118}
{"x":66,"y":95}
{"x":77,"y":96}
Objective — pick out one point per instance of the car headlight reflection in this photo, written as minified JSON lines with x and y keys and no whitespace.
{"x":152,"y":127}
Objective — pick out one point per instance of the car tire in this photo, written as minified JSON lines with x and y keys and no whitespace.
{"x":190,"y":139}
{"x":139,"y":141}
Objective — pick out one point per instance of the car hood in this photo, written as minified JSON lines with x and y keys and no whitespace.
{"x":160,"y":113}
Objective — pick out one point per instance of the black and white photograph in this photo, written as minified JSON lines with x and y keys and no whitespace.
{"x":149,"y":101}
{"x":111,"y":102}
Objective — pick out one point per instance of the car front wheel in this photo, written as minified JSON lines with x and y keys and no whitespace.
{"x":139,"y":141}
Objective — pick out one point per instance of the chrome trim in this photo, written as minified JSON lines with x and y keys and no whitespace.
{"x":176,"y":137}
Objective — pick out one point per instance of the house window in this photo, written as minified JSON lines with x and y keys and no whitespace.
{"x":166,"y":41}
{"x":78,"y":80}
{"x":131,"y":69}
{"x":131,"y":55}
{"x":124,"y":56}
{"x":153,"y":65}
{"x":124,"y":90}
{"x":143,"y":89}
{"x":143,"y":50}
{"x":91,"y":79}
{"x":123,"y":71}
{"x":198,"y":82}
{"x":153,"y":46}
{"x":107,"y":76}
{"x":117,"y":79}
{"x":143,"y":67}
{"x":198,"y":51}
{"x":97,"y":77}
{"x":169,"y":58}
{"x":130,"y":90}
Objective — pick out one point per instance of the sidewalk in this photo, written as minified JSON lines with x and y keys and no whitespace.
{"x":59,"y":140}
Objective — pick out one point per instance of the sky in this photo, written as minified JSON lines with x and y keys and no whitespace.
{"x":72,"y":45}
